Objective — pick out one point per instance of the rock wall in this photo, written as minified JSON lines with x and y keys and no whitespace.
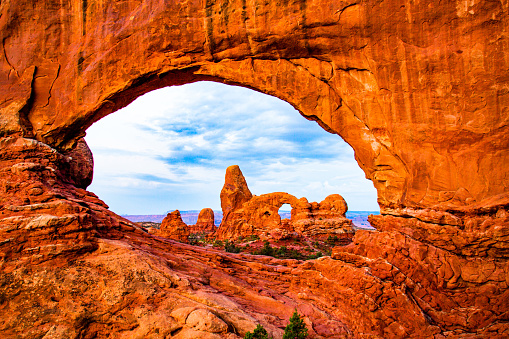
{"x":420,"y":90}
{"x":415,"y":89}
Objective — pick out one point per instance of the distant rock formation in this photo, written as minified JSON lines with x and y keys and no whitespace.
{"x":259,"y":215}
{"x":173,"y":227}
{"x":205,"y":222}
{"x":234,"y":193}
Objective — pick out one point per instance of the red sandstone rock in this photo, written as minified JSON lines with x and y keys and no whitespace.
{"x":234,"y":192}
{"x":57,"y":240}
{"x":373,"y":72}
{"x":205,"y":222}
{"x":81,"y":164}
{"x":418,"y":90}
{"x":172,"y":227}
{"x":259,"y":214}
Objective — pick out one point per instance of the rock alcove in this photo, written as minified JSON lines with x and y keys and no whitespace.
{"x":419,"y":90}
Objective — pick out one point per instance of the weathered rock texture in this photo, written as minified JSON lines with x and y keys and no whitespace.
{"x":420,"y":90}
{"x":172,"y":227}
{"x":245,"y":214}
{"x":234,"y":192}
{"x":205,"y":222}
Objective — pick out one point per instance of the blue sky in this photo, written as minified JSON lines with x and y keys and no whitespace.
{"x":169,"y":150}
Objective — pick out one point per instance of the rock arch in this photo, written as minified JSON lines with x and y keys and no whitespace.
{"x":339,"y":64}
{"x":416,"y":89}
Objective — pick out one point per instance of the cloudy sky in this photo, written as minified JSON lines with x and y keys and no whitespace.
{"x":169,"y":150}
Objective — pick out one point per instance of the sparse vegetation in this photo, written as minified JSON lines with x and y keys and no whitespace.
{"x":299,"y":250}
{"x":332,"y":240}
{"x":285,"y":253}
{"x":231,"y":247}
{"x":296,"y":329}
{"x":258,"y":333}
{"x":252,"y":237}
{"x":196,"y":239}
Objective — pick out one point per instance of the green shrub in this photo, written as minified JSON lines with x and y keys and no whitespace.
{"x":332,"y":240}
{"x":253,"y":237}
{"x":258,"y":333}
{"x":266,"y":249}
{"x":296,"y":329}
{"x":230,"y":247}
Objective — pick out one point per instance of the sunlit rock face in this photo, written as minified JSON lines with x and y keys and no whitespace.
{"x":418,"y":89}
{"x":172,"y":227}
{"x":246,"y":215}
{"x":205,"y":222}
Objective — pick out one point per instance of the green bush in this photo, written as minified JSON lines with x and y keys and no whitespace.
{"x":266,"y":249}
{"x":230,"y":247}
{"x":258,"y":333}
{"x":332,"y":240}
{"x":253,"y":237}
{"x":296,"y":329}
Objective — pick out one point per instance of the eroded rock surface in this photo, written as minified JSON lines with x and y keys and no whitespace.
{"x":418,"y":89}
{"x":205,"y":222}
{"x":259,"y":215}
{"x":172,"y":227}
{"x":234,"y":192}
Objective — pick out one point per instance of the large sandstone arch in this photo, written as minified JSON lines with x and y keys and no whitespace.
{"x":405,"y":94}
{"x":418,"y":89}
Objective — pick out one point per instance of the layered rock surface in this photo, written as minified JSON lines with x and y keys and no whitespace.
{"x":418,"y":89}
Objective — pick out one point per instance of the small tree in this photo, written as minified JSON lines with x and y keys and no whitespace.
{"x":258,"y":333}
{"x":296,"y":329}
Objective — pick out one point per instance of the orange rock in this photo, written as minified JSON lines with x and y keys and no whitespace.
{"x":205,"y":222}
{"x":172,"y":227}
{"x":81,"y":164}
{"x":234,"y":192}
{"x":378,"y":86}
{"x":418,"y":91}
{"x":419,"y":275}
{"x":259,"y":214}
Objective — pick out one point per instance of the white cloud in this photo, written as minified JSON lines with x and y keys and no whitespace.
{"x":169,"y":149}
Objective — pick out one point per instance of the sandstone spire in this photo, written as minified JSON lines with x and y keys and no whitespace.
{"x":235,"y":191}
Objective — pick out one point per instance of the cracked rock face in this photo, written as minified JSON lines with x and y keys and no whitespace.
{"x":419,"y":90}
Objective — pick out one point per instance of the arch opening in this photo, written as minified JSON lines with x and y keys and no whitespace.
{"x":285,"y":211}
{"x":169,"y":149}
